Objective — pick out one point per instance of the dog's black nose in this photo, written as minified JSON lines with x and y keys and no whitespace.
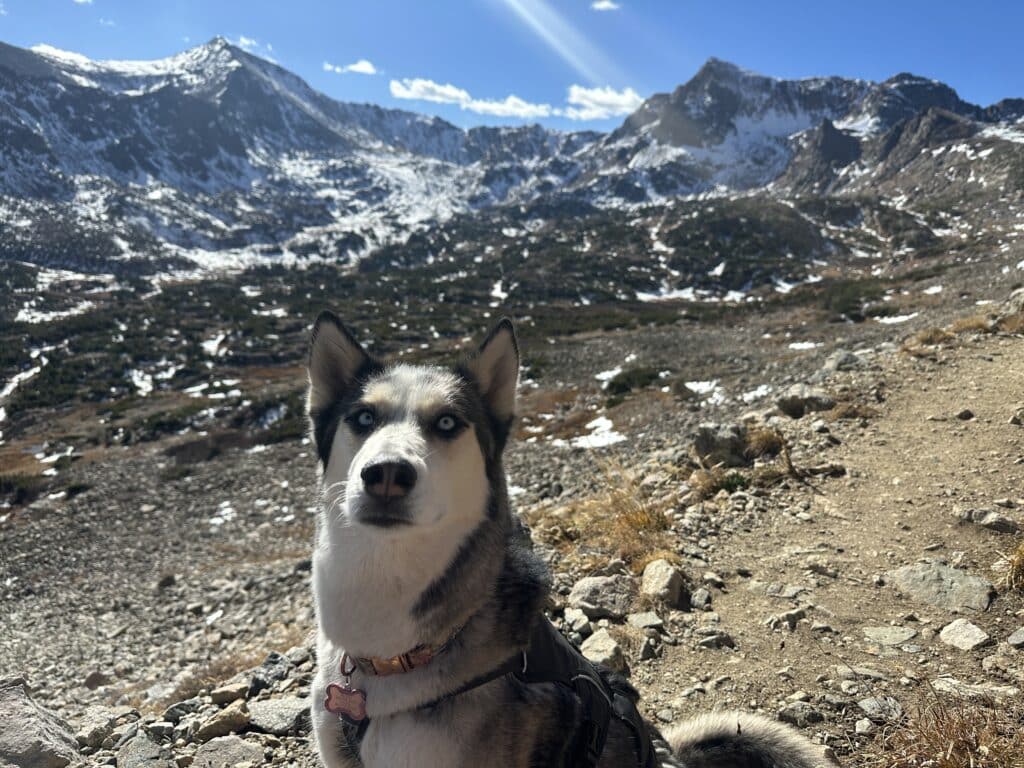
{"x":388,"y":480}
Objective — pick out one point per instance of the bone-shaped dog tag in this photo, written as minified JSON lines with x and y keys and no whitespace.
{"x":347,"y":702}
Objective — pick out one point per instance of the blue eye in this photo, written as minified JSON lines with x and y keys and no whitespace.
{"x":446,"y":424}
{"x":363,"y":420}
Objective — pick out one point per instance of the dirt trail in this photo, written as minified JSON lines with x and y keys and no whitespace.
{"x":910,"y":470}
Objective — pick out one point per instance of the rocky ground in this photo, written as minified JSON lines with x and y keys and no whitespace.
{"x":836,"y":576}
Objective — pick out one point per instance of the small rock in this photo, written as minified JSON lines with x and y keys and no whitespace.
{"x":842,"y":360}
{"x":280,"y":716}
{"x":601,"y":648}
{"x":721,"y":444}
{"x":96,"y":679}
{"x":1016,"y":640}
{"x":889,"y":635}
{"x":232,"y":718}
{"x":225,"y":694}
{"x":577,"y":621}
{"x":178,"y":710}
{"x":645,"y":620}
{"x":142,"y":752}
{"x":161,"y":730}
{"x":273,"y":669}
{"x":965,"y":415}
{"x":964,"y":635}
{"x":881,"y":709}
{"x":700,"y":599}
{"x":663,"y":581}
{"x":937,"y":584}
{"x":716,"y":638}
{"x":604,"y":597}
{"x":801,"y":714}
{"x":227,"y":751}
{"x":96,"y":724}
{"x":990,"y":519}
{"x":801,"y":399}
{"x":863,"y":727}
{"x":712,"y":579}
{"x":954,"y":687}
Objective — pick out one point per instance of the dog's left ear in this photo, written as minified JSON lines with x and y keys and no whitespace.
{"x":495,"y":366}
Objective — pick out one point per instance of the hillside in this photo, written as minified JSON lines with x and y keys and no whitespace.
{"x":794,"y":603}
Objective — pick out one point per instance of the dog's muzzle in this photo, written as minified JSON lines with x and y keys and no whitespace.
{"x":386,"y":484}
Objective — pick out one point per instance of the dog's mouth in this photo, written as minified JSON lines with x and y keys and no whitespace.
{"x":392,"y":514}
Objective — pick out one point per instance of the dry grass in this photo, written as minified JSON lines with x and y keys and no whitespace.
{"x":851,"y":411}
{"x":932,"y":337}
{"x":762,"y":442}
{"x":973,"y":324}
{"x":1011,"y":568}
{"x":705,"y":483}
{"x":1012,"y":324}
{"x":218,"y":671}
{"x":619,"y":521}
{"x":954,"y":734}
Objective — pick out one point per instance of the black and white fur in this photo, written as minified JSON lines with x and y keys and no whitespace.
{"x":416,"y":539}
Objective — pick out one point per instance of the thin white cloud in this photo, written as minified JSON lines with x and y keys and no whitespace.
{"x":604,"y":5}
{"x":107,"y":23}
{"x":3,"y":11}
{"x":565,"y":40}
{"x":583,"y":104}
{"x":361,"y":67}
{"x":82,"y":2}
{"x":246,"y":43}
{"x":600,"y":103}
{"x":419,"y":89}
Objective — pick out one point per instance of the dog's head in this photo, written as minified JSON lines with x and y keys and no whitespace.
{"x":402,"y":446}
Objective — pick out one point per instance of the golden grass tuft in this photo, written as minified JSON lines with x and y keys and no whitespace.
{"x":705,"y":483}
{"x":1010,"y":566}
{"x":1012,"y":324}
{"x":762,"y":441}
{"x":851,"y":411}
{"x":954,"y":734}
{"x":972,"y":324}
{"x":620,"y":520}
{"x":932,"y":337}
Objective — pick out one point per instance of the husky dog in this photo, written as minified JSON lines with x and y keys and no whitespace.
{"x":430,"y":600}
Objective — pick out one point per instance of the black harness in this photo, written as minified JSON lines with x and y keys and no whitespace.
{"x":550,"y":658}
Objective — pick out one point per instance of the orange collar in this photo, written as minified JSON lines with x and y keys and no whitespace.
{"x":418,"y":657}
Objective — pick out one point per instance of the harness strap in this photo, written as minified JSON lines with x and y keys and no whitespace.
{"x":550,"y":658}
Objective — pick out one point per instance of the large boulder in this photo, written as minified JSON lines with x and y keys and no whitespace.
{"x":604,"y":597}
{"x":664,"y":582}
{"x":32,"y":736}
{"x":601,"y":648}
{"x":801,"y":399}
{"x":938,"y":584}
{"x":721,"y":444}
{"x":280,"y":716}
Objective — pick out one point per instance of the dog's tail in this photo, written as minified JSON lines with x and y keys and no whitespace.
{"x":742,"y":740}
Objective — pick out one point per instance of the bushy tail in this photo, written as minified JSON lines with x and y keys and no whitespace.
{"x":742,"y":740}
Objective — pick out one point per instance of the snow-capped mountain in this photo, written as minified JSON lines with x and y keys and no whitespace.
{"x":215,"y":157}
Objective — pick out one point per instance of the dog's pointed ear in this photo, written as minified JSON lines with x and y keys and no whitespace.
{"x":495,"y":366}
{"x":335,"y":359}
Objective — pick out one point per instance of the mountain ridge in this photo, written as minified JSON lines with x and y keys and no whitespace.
{"x":215,"y":157}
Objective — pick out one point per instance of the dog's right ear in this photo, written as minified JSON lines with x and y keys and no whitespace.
{"x":335,"y":360}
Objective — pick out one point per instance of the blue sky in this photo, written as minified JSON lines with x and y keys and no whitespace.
{"x":564,"y":63}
